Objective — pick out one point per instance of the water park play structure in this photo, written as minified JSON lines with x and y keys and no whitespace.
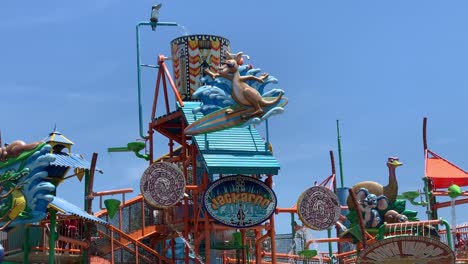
{"x":210,"y":198}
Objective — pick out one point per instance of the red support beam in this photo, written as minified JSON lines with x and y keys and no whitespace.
{"x":166,"y":96}
{"x":285,"y":210}
{"x":171,"y":82}
{"x":447,"y":204}
{"x":111,"y":192}
{"x":269,"y":182}
{"x":446,"y":193}
{"x":156,"y":95}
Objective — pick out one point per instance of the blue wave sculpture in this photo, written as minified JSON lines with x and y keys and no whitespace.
{"x":26,"y":191}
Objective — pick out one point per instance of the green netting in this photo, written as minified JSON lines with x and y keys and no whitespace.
{"x":135,"y":219}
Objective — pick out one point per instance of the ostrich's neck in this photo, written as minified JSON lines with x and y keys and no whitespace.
{"x":392,"y":182}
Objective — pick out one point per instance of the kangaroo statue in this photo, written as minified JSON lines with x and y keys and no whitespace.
{"x":242,"y":93}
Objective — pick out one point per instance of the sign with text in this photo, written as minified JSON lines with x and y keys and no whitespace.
{"x":239,"y":201}
{"x":407,"y":249}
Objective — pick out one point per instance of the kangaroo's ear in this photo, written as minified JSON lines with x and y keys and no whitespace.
{"x":239,"y":56}
{"x":229,"y":56}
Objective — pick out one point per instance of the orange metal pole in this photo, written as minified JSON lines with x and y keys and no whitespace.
{"x":344,"y":254}
{"x":191,"y":187}
{"x":166,"y":98}
{"x":284,"y":255}
{"x":196,"y":210}
{"x":136,"y":254}
{"x":265,"y":236}
{"x":156,"y":95}
{"x":207,"y":239}
{"x":119,"y":191}
{"x":333,"y":171}
{"x":186,"y":227}
{"x":445,"y":193}
{"x":285,"y":210}
{"x":187,"y":218}
{"x":360,"y":219}
{"x":269,"y":182}
{"x":112,"y":245}
{"x":258,"y":249}
{"x":163,"y":65}
{"x":447,"y":204}
{"x":207,"y":226}
{"x":143,"y":217}
{"x":326,"y":240}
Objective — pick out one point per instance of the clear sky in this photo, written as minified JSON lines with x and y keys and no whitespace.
{"x":378,"y":66}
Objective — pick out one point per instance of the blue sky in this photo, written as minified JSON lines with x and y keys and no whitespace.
{"x":378,"y":66}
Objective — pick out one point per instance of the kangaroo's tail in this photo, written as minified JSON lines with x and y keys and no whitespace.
{"x":264,"y":103}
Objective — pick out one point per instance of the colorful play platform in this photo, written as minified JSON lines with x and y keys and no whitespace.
{"x":210,"y":198}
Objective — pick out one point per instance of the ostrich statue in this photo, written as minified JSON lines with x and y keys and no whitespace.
{"x":390,"y":191}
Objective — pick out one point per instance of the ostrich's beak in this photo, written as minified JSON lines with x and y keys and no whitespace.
{"x":396,"y":163}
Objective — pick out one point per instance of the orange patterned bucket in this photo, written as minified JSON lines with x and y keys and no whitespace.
{"x":191,"y":55}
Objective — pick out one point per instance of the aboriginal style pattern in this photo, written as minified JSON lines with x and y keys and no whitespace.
{"x":162,"y":184}
{"x":318,"y":208}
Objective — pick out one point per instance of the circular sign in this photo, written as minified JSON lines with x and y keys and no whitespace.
{"x":318,"y":208}
{"x":407,"y":249}
{"x":239,"y":201}
{"x":162,"y":184}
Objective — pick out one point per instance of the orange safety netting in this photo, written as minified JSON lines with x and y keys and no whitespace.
{"x":443,"y":173}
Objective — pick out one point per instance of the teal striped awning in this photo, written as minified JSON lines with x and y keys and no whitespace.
{"x":69,"y":208}
{"x":239,"y":150}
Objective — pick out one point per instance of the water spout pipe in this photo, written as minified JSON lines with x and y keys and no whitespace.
{"x":140,"y":108}
{"x":449,"y":233}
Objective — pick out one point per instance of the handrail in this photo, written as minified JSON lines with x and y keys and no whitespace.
{"x":385,"y":226}
{"x":134,"y":251}
{"x":129,"y":202}
{"x":294,"y":256}
{"x":138,"y":243}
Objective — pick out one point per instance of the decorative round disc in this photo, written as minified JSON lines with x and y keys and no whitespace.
{"x":407,"y":249}
{"x":162,"y":184}
{"x":318,"y":208}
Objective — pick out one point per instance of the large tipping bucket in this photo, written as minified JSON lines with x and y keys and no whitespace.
{"x":112,"y":205}
{"x":191,"y":55}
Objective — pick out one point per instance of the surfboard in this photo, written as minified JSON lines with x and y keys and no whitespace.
{"x":219,"y":120}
